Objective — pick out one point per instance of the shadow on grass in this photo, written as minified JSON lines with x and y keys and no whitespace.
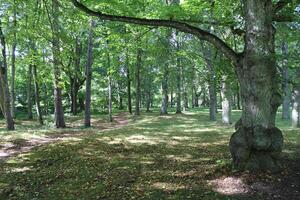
{"x":156,"y":157}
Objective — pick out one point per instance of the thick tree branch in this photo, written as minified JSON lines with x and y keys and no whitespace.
{"x":283,"y":18}
{"x":280,"y":5}
{"x":181,"y":26}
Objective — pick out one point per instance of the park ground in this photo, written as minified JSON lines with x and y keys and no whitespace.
{"x":177,"y":156}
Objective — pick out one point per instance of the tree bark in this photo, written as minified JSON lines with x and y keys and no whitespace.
{"x":296,"y":103}
{"x":138,"y":81}
{"x":37,"y":95}
{"x":238,"y":99}
{"x":164,"y":105}
{"x":285,"y":84}
{"x":211,"y":85}
{"x":88,"y":73}
{"x":110,"y":99}
{"x":58,"y":112}
{"x":194,"y":90}
{"x":178,"y":89}
{"x":128,"y":84}
{"x":178,"y":76}
{"x":13,"y":61}
{"x":45,"y":99}
{"x":171,"y":98}
{"x":226,"y":100}
{"x":120,"y":96}
{"x":110,"y":118}
{"x":184,"y":92}
{"x":257,"y":143}
{"x":29,"y":92}
{"x":4,"y":89}
{"x":75,"y":81}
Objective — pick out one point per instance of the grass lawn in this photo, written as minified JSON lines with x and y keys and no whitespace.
{"x":152,"y":157}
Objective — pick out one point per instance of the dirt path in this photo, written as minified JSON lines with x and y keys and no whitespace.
{"x":18,"y":146}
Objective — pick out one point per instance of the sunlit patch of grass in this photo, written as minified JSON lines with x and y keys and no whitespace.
{"x":153,"y":157}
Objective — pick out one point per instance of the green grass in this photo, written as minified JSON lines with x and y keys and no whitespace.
{"x":154,"y":157}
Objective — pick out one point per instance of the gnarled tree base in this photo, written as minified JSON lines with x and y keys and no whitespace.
{"x":256,"y":148}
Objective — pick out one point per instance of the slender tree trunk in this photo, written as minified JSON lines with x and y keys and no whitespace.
{"x":164,"y":105}
{"x":285,"y":84}
{"x":81,"y":103}
{"x":37,"y":95}
{"x":296,"y":103}
{"x":178,"y":91}
{"x":4,"y":89}
{"x":257,"y":143}
{"x":296,"y":108}
{"x":194,"y":90}
{"x":59,"y":112}
{"x":172,"y":98}
{"x":211,"y":85}
{"x":138,"y":81}
{"x":120,"y":96}
{"x":29,"y":92}
{"x":46,"y":102}
{"x":178,"y":78}
{"x":88,"y":72}
{"x":120,"y":102}
{"x":75,"y":81}
{"x":226,"y":101}
{"x":109,"y":99}
{"x":238,"y":99}
{"x":13,"y":62}
{"x":72,"y":82}
{"x":128,"y":84}
{"x":185,"y":95}
{"x":148,"y":101}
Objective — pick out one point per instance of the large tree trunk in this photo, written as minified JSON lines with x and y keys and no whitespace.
{"x":296,"y":103}
{"x":4,"y":89}
{"x":88,"y":73}
{"x":257,"y":143}
{"x":164,"y":104}
{"x":226,"y":101}
{"x":29,"y":92}
{"x":138,"y":81}
{"x":37,"y":95}
{"x":285,"y":84}
{"x":59,"y":111}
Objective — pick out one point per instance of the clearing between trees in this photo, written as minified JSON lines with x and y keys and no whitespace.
{"x":177,"y":156}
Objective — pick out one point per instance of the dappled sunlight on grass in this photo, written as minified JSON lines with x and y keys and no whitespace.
{"x":229,"y":186}
{"x":168,"y":186}
{"x":181,"y":156}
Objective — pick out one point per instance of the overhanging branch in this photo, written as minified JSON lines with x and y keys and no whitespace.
{"x":181,"y":26}
{"x":280,"y":5}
